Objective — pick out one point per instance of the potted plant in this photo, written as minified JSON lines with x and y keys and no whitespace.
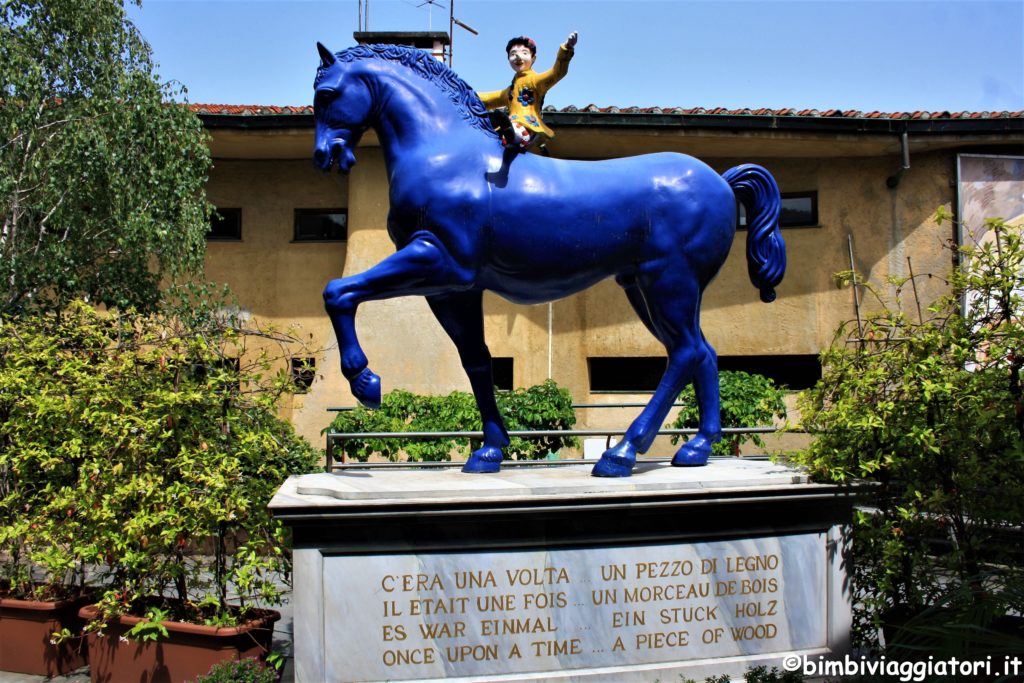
{"x":42,"y":565}
{"x":176,"y":448}
{"x":40,"y":594}
{"x":27,"y":628}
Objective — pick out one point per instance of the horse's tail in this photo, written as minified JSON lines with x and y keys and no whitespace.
{"x":766,"y":250}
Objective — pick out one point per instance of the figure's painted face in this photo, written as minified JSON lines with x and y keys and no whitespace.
{"x":520,"y":58}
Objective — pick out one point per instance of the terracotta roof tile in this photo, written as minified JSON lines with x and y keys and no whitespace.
{"x":273,"y":110}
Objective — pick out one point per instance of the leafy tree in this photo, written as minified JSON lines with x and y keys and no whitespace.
{"x":926,"y":404}
{"x":101,"y":182}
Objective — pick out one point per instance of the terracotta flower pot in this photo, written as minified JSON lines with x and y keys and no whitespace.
{"x":188,"y":652}
{"x":26,"y":627}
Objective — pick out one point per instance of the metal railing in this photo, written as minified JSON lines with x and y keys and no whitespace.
{"x":575,"y":406}
{"x":334,"y":438}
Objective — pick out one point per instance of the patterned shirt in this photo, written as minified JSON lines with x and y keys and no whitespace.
{"x":525,"y":96}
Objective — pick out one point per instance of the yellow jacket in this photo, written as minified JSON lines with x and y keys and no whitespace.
{"x":525,"y":96}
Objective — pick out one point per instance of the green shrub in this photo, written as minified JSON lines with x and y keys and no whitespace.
{"x":239,"y":671}
{"x":147,"y":450}
{"x":746,"y":401}
{"x":927,"y":405}
{"x":545,"y":406}
{"x":960,"y":625}
{"x":757,"y":674}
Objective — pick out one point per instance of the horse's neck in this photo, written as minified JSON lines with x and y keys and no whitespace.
{"x":414,"y":116}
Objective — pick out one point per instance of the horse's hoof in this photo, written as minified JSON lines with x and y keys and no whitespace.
{"x":692,"y":456}
{"x":484,"y":461}
{"x":617,"y":461}
{"x":366,"y":388}
{"x":612,"y":466}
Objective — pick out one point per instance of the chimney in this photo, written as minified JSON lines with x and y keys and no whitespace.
{"x":434,"y":42}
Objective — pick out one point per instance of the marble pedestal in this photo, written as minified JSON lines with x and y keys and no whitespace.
{"x":547,"y":573}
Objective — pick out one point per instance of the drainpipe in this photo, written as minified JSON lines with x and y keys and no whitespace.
{"x":894,"y":180}
{"x":551,"y":336}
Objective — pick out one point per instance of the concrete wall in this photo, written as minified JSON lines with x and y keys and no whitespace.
{"x":276,"y":280}
{"x":280,"y":282}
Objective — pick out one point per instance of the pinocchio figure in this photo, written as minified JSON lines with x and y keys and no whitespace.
{"x":524,"y":97}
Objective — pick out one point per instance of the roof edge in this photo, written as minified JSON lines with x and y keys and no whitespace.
{"x":254,"y":117}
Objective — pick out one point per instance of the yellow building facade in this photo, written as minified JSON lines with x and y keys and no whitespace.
{"x":865,"y":188}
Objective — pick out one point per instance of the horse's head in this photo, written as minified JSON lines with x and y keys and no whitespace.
{"x":342,"y":105}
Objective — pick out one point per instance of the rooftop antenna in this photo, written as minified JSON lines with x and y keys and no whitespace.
{"x":364,"y":15}
{"x":452,"y":23}
{"x":430,"y":11}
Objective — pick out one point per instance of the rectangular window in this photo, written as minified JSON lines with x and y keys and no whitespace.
{"x":225,"y":225}
{"x":642,"y":374}
{"x":501,"y":371}
{"x":303,"y":373}
{"x":622,"y":374}
{"x":796,"y":372}
{"x":321,"y":225}
{"x":799,"y":210}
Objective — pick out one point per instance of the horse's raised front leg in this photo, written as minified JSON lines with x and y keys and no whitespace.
{"x":422,"y":267}
{"x":697,"y":449}
{"x":461,"y":315}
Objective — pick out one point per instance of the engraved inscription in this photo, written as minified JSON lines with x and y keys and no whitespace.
{"x":448,"y":615}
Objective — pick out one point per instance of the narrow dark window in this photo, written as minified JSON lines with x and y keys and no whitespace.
{"x":501,"y":370}
{"x":642,"y":374}
{"x":321,"y":225}
{"x":798,"y":210}
{"x":790,"y":371}
{"x":303,"y":373}
{"x":625,"y":374}
{"x":225,"y":225}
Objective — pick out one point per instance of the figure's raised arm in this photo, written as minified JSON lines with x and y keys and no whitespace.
{"x":565,"y":53}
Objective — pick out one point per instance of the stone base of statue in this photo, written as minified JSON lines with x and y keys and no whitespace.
{"x":547,"y":573}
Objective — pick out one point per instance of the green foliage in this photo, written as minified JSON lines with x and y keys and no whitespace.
{"x":762,"y":674}
{"x":757,"y":674}
{"x":960,"y":625}
{"x":239,"y":671}
{"x":102,"y":184}
{"x":152,"y":628}
{"x":926,"y":404}
{"x":746,"y":401}
{"x":544,"y":406}
{"x":148,"y":450}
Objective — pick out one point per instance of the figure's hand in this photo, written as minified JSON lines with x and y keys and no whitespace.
{"x":570,"y":42}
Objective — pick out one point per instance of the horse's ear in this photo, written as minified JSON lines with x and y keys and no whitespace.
{"x":326,"y":56}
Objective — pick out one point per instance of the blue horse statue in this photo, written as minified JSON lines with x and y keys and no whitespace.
{"x":467,"y":216}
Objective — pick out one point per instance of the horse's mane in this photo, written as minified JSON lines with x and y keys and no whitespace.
{"x":426,"y":65}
